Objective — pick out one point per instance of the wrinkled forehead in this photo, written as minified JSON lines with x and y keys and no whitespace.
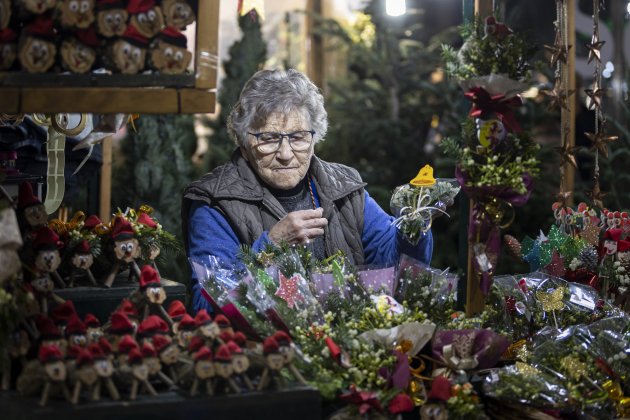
{"x":280,"y":119}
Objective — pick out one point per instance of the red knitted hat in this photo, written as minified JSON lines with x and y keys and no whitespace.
{"x":195,"y":344}
{"x":282,"y":338}
{"x":145,"y":219}
{"x":49,"y":353}
{"x":149,"y":277}
{"x":89,"y":37}
{"x":234,"y":348}
{"x":104,"y":346}
{"x":47,"y":328}
{"x":41,"y":27}
{"x":91,"y":321}
{"x":270,"y":345}
{"x":126,"y":344}
{"x":7,"y":36}
{"x":84,"y":357}
{"x":222,"y":321}
{"x":120,"y":324}
{"x":153,"y":324}
{"x":172,"y":36}
{"x":134,"y":37}
{"x":122,"y":229}
{"x":83,"y":247}
{"x":109,"y":4}
{"x":202,"y":318}
{"x":62,"y":313}
{"x":97,"y":351}
{"x":239,"y":338}
{"x":204,"y":353}
{"x":91,"y":222}
{"x":440,"y":389}
{"x":187,"y":323}
{"x":148,"y":350}
{"x":46,"y":238}
{"x":160,"y":342}
{"x":140,"y":6}
{"x":223,"y":354}
{"x":225,"y":336}
{"x":75,"y":326}
{"x":26,"y":198}
{"x":128,"y":308}
{"x":135,"y":357}
{"x":176,"y":310}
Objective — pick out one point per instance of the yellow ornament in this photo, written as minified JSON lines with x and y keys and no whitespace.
{"x":424,"y":177}
{"x":527,"y":370}
{"x":248,"y":5}
{"x":573,"y":367}
{"x":551,"y":301}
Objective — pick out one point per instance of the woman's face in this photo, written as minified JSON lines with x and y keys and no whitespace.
{"x":285,"y":168}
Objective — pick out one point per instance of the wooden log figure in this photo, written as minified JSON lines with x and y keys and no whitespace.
{"x":153,"y":294}
{"x":204,"y":371}
{"x":287,"y":349}
{"x":104,"y":370}
{"x":29,"y":8}
{"x":139,"y":375}
{"x":76,"y":13}
{"x":178,"y":13}
{"x":111,"y":18}
{"x":82,"y":260}
{"x":8,"y":48}
{"x":86,"y":376}
{"x":185,"y":332}
{"x":168,"y":353}
{"x":274,"y":362}
{"x":61,"y":314}
{"x":240,"y":365}
{"x":151,"y":326}
{"x":118,"y":328}
{"x":37,"y":47}
{"x":151,"y":359}
{"x":51,"y":360}
{"x":206,"y":329}
{"x":170,"y":54}
{"x":176,"y":311}
{"x":224,"y":369}
{"x":94,"y":330}
{"x":76,"y":332}
{"x":129,"y":308}
{"x":126,"y":250}
{"x":146,"y":17}
{"x":78,"y":52}
{"x":31,"y":211}
{"x":46,"y":245}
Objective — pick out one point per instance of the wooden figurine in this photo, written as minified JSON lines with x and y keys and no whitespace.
{"x":168,"y":353}
{"x":206,"y":329}
{"x":224,"y":324}
{"x":8,"y":48}
{"x":126,"y":250}
{"x":76,"y":332}
{"x":129,"y":308}
{"x":204,"y":371}
{"x":153,"y":293}
{"x":185,"y":332}
{"x":149,"y":228}
{"x":224,"y":369}
{"x":111,"y":18}
{"x":118,"y":328}
{"x":31,"y":211}
{"x":29,"y":8}
{"x":51,"y":360}
{"x":37,"y":49}
{"x":178,"y":13}
{"x":151,"y":326}
{"x":170,"y":54}
{"x":104,"y":370}
{"x":82,"y":260}
{"x":176,"y":311}
{"x":274,"y":362}
{"x":86,"y":376}
{"x":61,"y":314}
{"x":125,"y":345}
{"x":151,"y":359}
{"x":78,"y":52}
{"x":94,"y":331}
{"x":5,"y":14}
{"x":139,"y":375}
{"x":76,"y":13}
{"x":435,"y":407}
{"x":145,"y":16}
{"x":288,"y":351}
{"x":46,"y":245}
{"x":240,"y":364}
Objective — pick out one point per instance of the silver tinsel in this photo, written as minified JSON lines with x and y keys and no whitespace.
{"x":589,"y":257}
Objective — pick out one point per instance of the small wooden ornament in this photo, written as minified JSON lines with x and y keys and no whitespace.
{"x":76,"y":332}
{"x":5,"y":14}
{"x":287,"y":349}
{"x":94,"y":330}
{"x":274,"y":362}
{"x":104,"y":369}
{"x":51,"y":360}
{"x":224,"y":368}
{"x":139,"y":375}
{"x":168,"y":353}
{"x":204,"y":371}
{"x":119,"y":326}
{"x":35,"y":7}
{"x":76,"y":13}
{"x":176,"y":311}
{"x":37,"y":48}
{"x":86,"y":376}
{"x":205,"y":328}
{"x":45,"y":246}
{"x":78,"y":52}
{"x":145,"y":17}
{"x":82,"y":260}
{"x":153,"y":294}
{"x":111,"y":18}
{"x":185,"y":331}
{"x":178,"y":13}
{"x":240,"y":365}
{"x":170,"y":54}
{"x":31,"y":211}
{"x":151,"y":359}
{"x":126,"y":250}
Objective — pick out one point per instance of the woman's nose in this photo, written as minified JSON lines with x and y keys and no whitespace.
{"x":285,"y":152}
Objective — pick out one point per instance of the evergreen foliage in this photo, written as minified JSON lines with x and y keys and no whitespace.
{"x":247,"y":56}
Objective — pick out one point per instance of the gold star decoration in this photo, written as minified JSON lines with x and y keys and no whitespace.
{"x":573,"y":367}
{"x":596,"y":96}
{"x":594,"y":49}
{"x":558,"y":96}
{"x":600,"y":141}
{"x":596,"y":195}
{"x":567,"y":154}
{"x":557,"y":51}
{"x":551,"y":301}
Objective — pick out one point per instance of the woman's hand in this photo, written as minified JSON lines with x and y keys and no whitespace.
{"x":299,"y":227}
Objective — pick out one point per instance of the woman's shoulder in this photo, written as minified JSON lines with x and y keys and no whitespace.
{"x":338,"y":172}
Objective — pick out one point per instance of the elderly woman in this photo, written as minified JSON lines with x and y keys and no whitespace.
{"x":276,"y":190}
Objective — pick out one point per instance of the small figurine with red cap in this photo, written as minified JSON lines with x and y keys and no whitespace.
{"x":85,"y":375}
{"x":150,"y":234}
{"x":30,"y":8}
{"x":51,"y":360}
{"x":111,"y":18}
{"x":153,"y":294}
{"x":204,"y":371}
{"x":151,"y":359}
{"x":151,"y":326}
{"x":176,"y":311}
{"x":178,"y":13}
{"x":37,"y":47}
{"x":76,"y":331}
{"x":104,"y":370}
{"x":224,"y":369}
{"x":126,"y":250}
{"x":94,"y":330}
{"x":145,"y":16}
{"x":76,"y":14}
{"x":168,"y":353}
{"x":288,"y":351}
{"x":186,"y":331}
{"x":47,"y":259}
{"x":78,"y":52}
{"x":119,"y":326}
{"x":274,"y":362}
{"x":170,"y":54}
{"x":31,"y":211}
{"x":206,"y":329}
{"x":8,"y":48}
{"x":139,"y":375}
{"x":240,"y":364}
{"x":82,"y":260}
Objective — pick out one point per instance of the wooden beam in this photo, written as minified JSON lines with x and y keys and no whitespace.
{"x":207,"y":44}
{"x":105,"y":201}
{"x":568,"y":116}
{"x":484,"y":8}
{"x":315,"y":53}
{"x":197,"y":101}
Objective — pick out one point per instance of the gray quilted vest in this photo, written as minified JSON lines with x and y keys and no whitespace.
{"x":249,"y":207}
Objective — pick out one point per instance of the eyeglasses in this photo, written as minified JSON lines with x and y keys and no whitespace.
{"x":270,"y":142}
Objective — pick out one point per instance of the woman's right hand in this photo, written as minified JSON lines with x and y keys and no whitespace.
{"x":299,"y":227}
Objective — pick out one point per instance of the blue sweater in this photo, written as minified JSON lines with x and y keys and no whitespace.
{"x":211,"y":234}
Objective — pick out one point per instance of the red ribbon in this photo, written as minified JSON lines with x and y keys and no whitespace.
{"x":485,"y":104}
{"x":335,"y":351}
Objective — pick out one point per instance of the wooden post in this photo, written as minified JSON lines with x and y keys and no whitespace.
{"x":315,"y":53}
{"x":105,"y":202}
{"x":207,"y":45}
{"x":568,"y":116}
{"x":483,"y":8}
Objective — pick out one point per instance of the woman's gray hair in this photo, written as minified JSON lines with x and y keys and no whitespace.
{"x":271,"y":91}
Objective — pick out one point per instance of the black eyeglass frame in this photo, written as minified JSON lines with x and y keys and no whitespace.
{"x":283,"y":135}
